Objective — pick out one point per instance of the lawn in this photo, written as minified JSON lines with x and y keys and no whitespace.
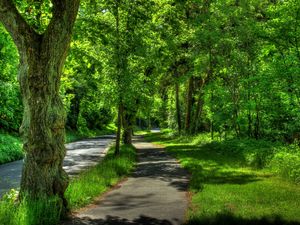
{"x":228,"y":186}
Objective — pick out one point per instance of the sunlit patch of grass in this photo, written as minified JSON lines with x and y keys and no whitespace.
{"x":227,"y":188}
{"x":41,"y":210}
{"x":93,"y":182}
{"x":10,"y":148}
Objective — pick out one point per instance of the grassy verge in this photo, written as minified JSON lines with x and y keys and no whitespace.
{"x":98,"y":179}
{"x":235,"y":182}
{"x":29,"y":212}
{"x":76,"y":135}
{"x":10,"y":148}
{"x":81,"y":191}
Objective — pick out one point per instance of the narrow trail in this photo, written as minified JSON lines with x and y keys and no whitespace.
{"x":155,"y":194}
{"x":80,"y":155}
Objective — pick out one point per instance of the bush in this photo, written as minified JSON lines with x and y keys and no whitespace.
{"x":286,"y":162}
{"x":279,"y":158}
{"x":10,"y":148}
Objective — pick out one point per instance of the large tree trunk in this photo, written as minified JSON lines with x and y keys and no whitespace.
{"x":42,"y":57}
{"x":43,"y":121}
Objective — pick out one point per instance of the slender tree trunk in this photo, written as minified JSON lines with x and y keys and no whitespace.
{"x":119,"y":84}
{"x":198,"y":113}
{"x":72,"y":118}
{"x":178,"y":113}
{"x":257,"y":123}
{"x":249,"y":124}
{"x":119,"y":127}
{"x":212,"y":130}
{"x":199,"y":108}
{"x":189,"y":102}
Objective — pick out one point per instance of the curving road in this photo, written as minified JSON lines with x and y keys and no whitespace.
{"x":80,"y":155}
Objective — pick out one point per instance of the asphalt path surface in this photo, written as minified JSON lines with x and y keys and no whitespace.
{"x":155,"y":194}
{"x":80,"y":155}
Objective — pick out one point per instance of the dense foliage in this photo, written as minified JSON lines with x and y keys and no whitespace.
{"x":218,"y":66}
{"x":235,"y":67}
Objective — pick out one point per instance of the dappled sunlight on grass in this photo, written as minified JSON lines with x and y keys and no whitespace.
{"x":226,"y":184}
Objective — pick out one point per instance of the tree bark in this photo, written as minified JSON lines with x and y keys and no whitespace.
{"x":42,"y":57}
{"x":189,"y":102}
{"x":128,"y":122}
{"x":73,"y":115}
{"x":199,"y":107}
{"x":119,"y":127}
{"x":178,"y":113}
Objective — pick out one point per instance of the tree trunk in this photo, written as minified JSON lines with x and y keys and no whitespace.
{"x":42,"y":57}
{"x":178,"y":113}
{"x":189,"y":102}
{"x":257,"y":123}
{"x":119,"y":125}
{"x":73,"y":115}
{"x":42,"y":127}
{"x":199,"y":107}
{"x":128,"y":122}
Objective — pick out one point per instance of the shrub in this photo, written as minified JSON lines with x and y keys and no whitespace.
{"x":287,"y":163}
{"x":10,"y":148}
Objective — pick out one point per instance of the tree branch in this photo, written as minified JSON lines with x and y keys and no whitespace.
{"x":15,"y":23}
{"x":63,"y":18}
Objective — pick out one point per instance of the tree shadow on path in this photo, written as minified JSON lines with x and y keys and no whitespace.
{"x":113,"y":220}
{"x":157,"y":164}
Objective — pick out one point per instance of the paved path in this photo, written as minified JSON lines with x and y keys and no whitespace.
{"x":80,"y":155}
{"x":155,"y":194}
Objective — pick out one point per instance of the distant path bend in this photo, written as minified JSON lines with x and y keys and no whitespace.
{"x":155,"y":194}
{"x":80,"y":155}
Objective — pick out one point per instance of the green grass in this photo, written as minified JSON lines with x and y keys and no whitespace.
{"x":233,"y":181}
{"x":72,"y":136}
{"x":10,"y":148}
{"x":81,"y":191}
{"x":29,"y":212}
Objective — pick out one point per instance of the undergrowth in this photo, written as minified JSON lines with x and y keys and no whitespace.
{"x":10,"y":148}
{"x":29,"y":212}
{"x":238,"y":181}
